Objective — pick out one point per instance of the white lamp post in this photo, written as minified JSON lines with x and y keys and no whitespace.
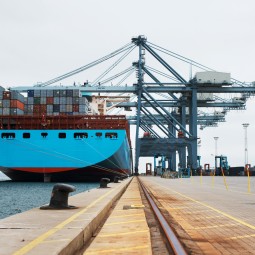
{"x":216,"y":148}
{"x":245,"y":125}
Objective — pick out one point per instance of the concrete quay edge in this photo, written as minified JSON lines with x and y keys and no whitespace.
{"x":61,"y":232}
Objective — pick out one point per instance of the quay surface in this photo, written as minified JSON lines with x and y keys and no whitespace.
{"x":40,"y":232}
{"x":209,"y":215}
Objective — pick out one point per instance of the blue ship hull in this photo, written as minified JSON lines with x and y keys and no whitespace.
{"x":64,"y":155}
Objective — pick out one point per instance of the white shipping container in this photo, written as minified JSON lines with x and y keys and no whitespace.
{"x":69,"y":108}
{"x":76,"y":100}
{"x":43,"y":100}
{"x":30,"y":100}
{"x":6,"y":103}
{"x":49,"y":93}
{"x":83,"y":108}
{"x":76,"y":93}
{"x":212,"y":77}
{"x":62,"y":108}
{"x":83,"y":100}
{"x":62,"y":100}
{"x":69,"y":100}
{"x":6,"y":111}
{"x":43,"y":93}
{"x":49,"y":108}
{"x":37,"y":93}
{"x":56,"y":100}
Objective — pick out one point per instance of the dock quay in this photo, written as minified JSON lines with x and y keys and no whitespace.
{"x":208,"y":215}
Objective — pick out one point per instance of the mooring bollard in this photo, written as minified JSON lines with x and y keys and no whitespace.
{"x":104,"y":182}
{"x":116,"y":179}
{"x":59,"y":197}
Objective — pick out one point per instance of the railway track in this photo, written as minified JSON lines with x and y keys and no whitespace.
{"x":171,"y":240}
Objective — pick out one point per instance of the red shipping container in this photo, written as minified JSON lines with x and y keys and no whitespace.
{"x":49,"y":100}
{"x":43,"y":108}
{"x":6,"y":95}
{"x":75,"y":108}
{"x":36,"y":110}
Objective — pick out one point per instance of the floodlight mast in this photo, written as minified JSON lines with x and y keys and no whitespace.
{"x":245,"y":125}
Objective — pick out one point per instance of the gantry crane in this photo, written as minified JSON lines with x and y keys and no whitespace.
{"x":174,"y":113}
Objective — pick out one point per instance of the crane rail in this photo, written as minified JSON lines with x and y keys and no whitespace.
{"x":172,"y":239}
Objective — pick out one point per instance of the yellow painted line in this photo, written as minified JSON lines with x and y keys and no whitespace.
{"x":55,"y":241}
{"x":117,"y":250}
{"x":128,"y":215}
{"x":195,"y":211}
{"x":176,"y":208}
{"x":239,"y":237}
{"x":42,"y":237}
{"x":212,"y":217}
{"x":82,"y":220}
{"x":138,"y":206}
{"x":212,"y":208}
{"x":125,"y":233}
{"x":124,"y":222}
{"x":216,"y":226}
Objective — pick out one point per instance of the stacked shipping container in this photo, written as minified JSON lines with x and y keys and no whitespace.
{"x":48,"y":102}
{"x":11,"y":102}
{"x":56,"y":102}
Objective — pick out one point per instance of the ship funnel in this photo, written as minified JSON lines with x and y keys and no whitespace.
{"x":59,"y":197}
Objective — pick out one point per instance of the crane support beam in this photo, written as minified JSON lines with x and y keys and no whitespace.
{"x":157,"y":81}
{"x":163,"y":121}
{"x":153,"y":120}
{"x":149,"y":147}
{"x":150,"y":89}
{"x":164,"y":63}
{"x":167,"y":113}
{"x":178,"y":104}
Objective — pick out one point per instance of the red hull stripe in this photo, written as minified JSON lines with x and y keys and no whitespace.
{"x":43,"y":169}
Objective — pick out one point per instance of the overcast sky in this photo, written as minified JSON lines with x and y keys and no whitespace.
{"x":41,"y":39}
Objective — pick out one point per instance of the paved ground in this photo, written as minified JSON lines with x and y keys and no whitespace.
{"x":217,"y":215}
{"x":211,"y":215}
{"x":41,"y":232}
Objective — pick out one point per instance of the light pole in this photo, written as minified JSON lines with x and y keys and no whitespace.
{"x":216,"y":148}
{"x":245,"y":125}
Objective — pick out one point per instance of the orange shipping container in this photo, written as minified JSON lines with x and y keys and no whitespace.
{"x":17,"y":104}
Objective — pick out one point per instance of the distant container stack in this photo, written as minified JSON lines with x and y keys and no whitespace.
{"x":11,"y":102}
{"x":56,"y":102}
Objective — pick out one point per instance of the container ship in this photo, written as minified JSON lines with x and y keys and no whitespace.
{"x":54,"y":135}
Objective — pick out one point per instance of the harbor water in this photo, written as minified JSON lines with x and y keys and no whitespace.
{"x":17,"y":197}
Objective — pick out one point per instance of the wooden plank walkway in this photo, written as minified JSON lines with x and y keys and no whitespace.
{"x":126,"y":230}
